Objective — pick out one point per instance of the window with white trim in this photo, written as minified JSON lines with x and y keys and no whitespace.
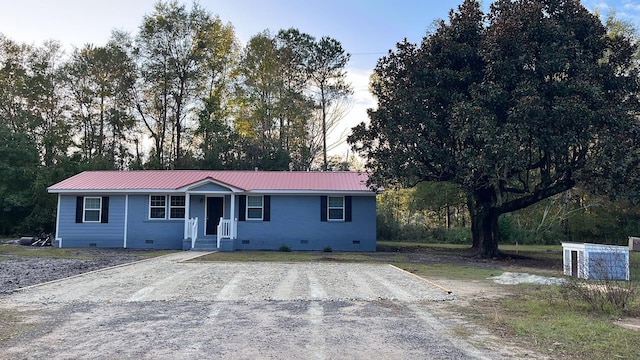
{"x":335,"y":208}
{"x":177,"y":207}
{"x":157,"y":206}
{"x":92,"y":209}
{"x":255,"y":206}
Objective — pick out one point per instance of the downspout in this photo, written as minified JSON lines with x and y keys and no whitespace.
{"x":57,"y":237}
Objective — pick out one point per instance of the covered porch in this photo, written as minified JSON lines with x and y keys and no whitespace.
{"x":210,"y":221}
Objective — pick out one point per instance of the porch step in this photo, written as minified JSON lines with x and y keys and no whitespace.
{"x":206,"y":244}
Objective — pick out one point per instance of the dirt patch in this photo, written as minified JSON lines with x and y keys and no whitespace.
{"x":21,"y":271}
{"x":629,"y":323}
{"x":512,"y":261}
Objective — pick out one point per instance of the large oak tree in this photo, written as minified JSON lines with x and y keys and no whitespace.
{"x":515,"y":106}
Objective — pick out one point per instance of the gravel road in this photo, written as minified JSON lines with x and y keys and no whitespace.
{"x":166,"y":308}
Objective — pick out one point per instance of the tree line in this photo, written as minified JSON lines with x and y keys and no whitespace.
{"x":181,"y":92}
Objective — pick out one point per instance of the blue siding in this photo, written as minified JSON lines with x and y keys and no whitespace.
{"x":295,"y":222}
{"x":196,"y":210}
{"x":155,"y":234}
{"x":210,"y":187}
{"x":74,"y":234}
{"x":607,"y":265}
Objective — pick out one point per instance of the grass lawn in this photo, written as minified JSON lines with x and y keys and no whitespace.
{"x":568,"y":328}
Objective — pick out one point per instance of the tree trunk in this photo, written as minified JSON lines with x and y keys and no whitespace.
{"x":484,"y":227}
{"x":323,"y":105}
{"x":101,"y":131}
{"x":484,"y":224}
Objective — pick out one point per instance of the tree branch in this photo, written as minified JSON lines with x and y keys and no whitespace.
{"x":523,"y":202}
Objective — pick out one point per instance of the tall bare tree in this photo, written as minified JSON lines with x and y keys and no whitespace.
{"x":328,"y":80}
{"x":101,"y":80}
{"x":173,"y":50}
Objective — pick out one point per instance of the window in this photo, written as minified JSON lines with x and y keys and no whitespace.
{"x":92,"y":209}
{"x":177,"y":207}
{"x":335,"y":208}
{"x":157,"y":206}
{"x":254,"y":207}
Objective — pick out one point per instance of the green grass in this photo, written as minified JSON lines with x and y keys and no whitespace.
{"x":448,"y":271}
{"x":561,"y":328}
{"x":423,"y":244}
{"x":545,"y":251}
{"x":634,"y":266}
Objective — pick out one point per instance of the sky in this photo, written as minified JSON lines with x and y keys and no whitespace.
{"x":367,"y":29}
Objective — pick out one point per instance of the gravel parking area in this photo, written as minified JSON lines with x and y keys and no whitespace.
{"x":170,"y":309}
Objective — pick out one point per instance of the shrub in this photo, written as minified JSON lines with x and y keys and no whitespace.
{"x":603,"y":296}
{"x":451,"y":236}
{"x":284,"y":248}
{"x":327,"y":249}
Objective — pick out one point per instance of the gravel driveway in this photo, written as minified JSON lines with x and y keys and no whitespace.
{"x":165,"y":308}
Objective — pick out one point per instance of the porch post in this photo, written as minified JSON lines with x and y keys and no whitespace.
{"x":186,"y":214}
{"x":232,"y":216}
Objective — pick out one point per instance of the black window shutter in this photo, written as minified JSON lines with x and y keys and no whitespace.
{"x":323,"y":208}
{"x":347,"y":208}
{"x":242,"y":205}
{"x":79,"y":208}
{"x":104,"y":218}
{"x":266,"y":216}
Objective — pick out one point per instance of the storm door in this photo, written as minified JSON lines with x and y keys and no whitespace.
{"x":215,"y":210}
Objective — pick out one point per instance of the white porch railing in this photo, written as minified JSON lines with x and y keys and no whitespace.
{"x":192,"y":231}
{"x":226,"y":229}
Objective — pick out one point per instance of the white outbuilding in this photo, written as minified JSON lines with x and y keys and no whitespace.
{"x":596,"y":261}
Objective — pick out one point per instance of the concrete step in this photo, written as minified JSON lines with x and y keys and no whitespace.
{"x":205,"y":248}
{"x":206,"y":244}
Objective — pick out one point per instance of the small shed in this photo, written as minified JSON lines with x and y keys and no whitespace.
{"x":596,"y":261}
{"x":634,"y":243}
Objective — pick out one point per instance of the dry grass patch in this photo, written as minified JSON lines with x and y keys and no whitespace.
{"x":540,"y":318}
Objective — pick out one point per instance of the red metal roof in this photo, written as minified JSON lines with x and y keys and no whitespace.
{"x":244,"y":180}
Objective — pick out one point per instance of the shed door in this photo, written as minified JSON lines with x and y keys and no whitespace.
{"x":214,"y":213}
{"x":574,"y":263}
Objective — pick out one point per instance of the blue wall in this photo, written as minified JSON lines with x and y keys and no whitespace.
{"x":74,"y":234}
{"x":295,"y":222}
{"x":153,"y":234}
{"x":608,"y":265}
